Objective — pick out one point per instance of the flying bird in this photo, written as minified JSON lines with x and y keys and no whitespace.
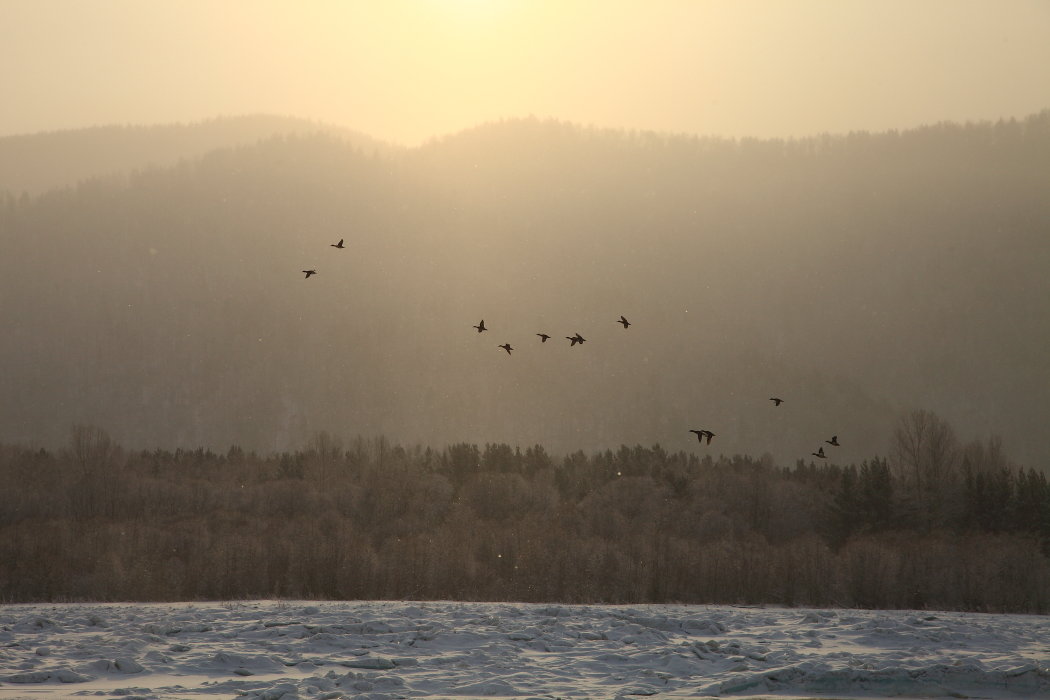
{"x":309,"y":272}
{"x":701,"y":434}
{"x":543,"y":337}
{"x":481,"y":326}
{"x":337,"y":245}
{"x":573,"y":339}
{"x":833,"y":441}
{"x":624,"y":321}
{"x":819,"y":453}
{"x":776,"y":401}
{"x":506,"y":346}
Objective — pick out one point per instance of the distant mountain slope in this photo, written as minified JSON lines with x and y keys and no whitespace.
{"x":34,"y":163}
{"x":854,"y":276}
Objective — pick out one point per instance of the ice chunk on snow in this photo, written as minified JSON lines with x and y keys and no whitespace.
{"x":373,"y":663}
{"x":63,"y":675}
{"x":493,"y":688}
{"x":126,"y":665}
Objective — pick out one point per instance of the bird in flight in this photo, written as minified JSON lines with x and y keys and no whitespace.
{"x":337,"y":245}
{"x":506,"y":346}
{"x":309,"y":272}
{"x":481,"y":326}
{"x":573,"y":339}
{"x":543,"y":337}
{"x":819,"y":453}
{"x":701,"y":434}
{"x":776,"y":401}
{"x":833,"y":441}
{"x":624,"y":321}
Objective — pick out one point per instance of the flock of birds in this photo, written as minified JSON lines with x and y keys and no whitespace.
{"x":338,"y":245}
{"x":702,"y":435}
{"x":575,"y":339}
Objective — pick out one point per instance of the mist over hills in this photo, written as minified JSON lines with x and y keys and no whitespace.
{"x":856,"y":276}
{"x":35,"y":163}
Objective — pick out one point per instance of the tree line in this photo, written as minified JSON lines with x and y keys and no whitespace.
{"x":935,"y":524}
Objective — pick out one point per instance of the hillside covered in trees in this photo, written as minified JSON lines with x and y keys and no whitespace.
{"x":942,"y":523}
{"x":855,"y":276}
{"x":32,"y":164}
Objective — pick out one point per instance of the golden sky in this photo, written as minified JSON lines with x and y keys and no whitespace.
{"x":407,"y":70}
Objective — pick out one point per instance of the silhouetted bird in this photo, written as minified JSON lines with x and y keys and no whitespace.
{"x":543,"y":337}
{"x":624,"y":321}
{"x":776,"y":401}
{"x":337,"y":245}
{"x":481,"y":326}
{"x":309,"y":272}
{"x":819,"y":453}
{"x":573,"y":339}
{"x":507,"y":347}
{"x":701,"y":434}
{"x":833,"y":441}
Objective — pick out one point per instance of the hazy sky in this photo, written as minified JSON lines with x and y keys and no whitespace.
{"x":407,"y":70}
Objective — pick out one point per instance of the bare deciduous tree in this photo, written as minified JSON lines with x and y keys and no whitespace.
{"x":326,"y":449}
{"x":92,"y":449}
{"x":924,"y":453}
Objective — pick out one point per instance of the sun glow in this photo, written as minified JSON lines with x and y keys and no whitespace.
{"x":475,"y":12}
{"x":408,"y":70}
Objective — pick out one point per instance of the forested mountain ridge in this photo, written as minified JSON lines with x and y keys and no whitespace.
{"x":35,"y":163}
{"x":855,"y":276}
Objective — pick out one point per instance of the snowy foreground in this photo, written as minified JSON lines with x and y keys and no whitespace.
{"x":277,"y":650}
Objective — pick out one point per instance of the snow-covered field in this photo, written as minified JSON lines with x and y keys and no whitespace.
{"x":276,"y":649}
